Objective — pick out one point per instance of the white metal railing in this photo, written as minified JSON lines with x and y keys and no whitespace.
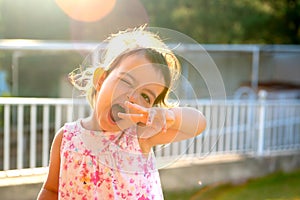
{"x":27,"y":127}
{"x":257,"y":127}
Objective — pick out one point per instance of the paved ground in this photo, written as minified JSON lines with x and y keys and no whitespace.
{"x":21,"y":184}
{"x":20,"y":192}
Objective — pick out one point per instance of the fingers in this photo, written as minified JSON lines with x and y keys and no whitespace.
{"x":151,"y":116}
{"x":164,"y":119}
{"x":136,"y":107}
{"x":158,"y":119}
{"x":133,"y":117}
{"x":137,"y":113}
{"x":149,"y":113}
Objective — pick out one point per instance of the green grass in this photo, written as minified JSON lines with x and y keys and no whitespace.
{"x":277,"y":186}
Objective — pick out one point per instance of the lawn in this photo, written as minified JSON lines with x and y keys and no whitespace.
{"x":277,"y":186}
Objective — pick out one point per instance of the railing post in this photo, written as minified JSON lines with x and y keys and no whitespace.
{"x":45,"y":135}
{"x":6,"y":149}
{"x":261,"y":122}
{"x":58,"y":121}
{"x":20,"y":137}
{"x":33,"y":127}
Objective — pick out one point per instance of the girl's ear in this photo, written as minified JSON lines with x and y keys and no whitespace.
{"x":98,"y":78}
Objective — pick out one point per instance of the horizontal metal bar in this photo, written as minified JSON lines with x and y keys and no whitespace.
{"x":42,"y":45}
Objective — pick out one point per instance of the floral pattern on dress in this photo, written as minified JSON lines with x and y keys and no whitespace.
{"x":103,"y":165}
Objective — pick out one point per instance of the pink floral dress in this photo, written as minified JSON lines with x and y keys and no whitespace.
{"x":104,"y":165}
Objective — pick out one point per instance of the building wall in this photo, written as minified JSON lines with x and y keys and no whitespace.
{"x":236,"y":70}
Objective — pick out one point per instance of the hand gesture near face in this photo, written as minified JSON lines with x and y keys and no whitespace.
{"x":150,"y":121}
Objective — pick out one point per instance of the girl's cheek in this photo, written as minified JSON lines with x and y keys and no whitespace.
{"x":97,"y":109}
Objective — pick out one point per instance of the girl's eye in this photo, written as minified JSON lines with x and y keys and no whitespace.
{"x":146,"y":97}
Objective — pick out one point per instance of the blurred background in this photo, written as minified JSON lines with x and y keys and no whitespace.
{"x":252,"y":144}
{"x":207,"y":22}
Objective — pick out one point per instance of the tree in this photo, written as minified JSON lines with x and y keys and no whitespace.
{"x":233,"y":21}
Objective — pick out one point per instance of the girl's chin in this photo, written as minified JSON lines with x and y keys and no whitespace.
{"x":110,"y":125}
{"x":111,"y":128}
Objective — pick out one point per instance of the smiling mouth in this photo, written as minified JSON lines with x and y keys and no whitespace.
{"x":115,"y":109}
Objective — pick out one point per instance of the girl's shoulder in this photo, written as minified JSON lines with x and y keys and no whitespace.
{"x":67,"y":131}
{"x":71,"y":126}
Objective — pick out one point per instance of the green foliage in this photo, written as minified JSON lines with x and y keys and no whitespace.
{"x":233,"y":21}
{"x":207,"y":21}
{"x":284,"y":186}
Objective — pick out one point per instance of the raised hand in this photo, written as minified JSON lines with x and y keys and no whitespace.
{"x":150,"y":121}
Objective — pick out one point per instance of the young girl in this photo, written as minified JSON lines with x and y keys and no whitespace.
{"x":109,"y":154}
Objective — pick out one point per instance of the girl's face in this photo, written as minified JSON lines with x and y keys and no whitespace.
{"x":135,"y":79}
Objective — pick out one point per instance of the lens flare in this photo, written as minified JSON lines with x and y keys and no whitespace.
{"x":86,"y":10}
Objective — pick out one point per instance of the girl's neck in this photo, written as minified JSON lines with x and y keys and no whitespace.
{"x":89,"y":123}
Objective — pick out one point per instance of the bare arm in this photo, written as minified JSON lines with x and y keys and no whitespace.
{"x":50,"y":187}
{"x":188,"y":123}
{"x":162,"y":126}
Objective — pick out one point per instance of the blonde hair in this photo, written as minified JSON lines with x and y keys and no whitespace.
{"x":117,"y":46}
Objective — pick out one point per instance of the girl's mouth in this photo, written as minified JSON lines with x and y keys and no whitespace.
{"x":115,"y":109}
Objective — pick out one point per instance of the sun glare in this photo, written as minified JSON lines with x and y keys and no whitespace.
{"x":86,"y":10}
